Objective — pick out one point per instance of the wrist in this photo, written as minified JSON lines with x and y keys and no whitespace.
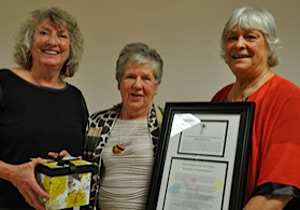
{"x":7,"y":171}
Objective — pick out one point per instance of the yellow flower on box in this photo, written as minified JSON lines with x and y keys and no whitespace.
{"x":55,"y":186}
{"x":75,"y":198}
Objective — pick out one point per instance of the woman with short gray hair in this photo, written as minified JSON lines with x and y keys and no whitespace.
{"x":250,"y":48}
{"x":140,"y":53}
{"x":122,"y":140}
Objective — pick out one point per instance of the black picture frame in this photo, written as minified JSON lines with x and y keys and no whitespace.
{"x":233,"y":123}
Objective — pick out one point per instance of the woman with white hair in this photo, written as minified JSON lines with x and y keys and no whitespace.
{"x":250,"y":48}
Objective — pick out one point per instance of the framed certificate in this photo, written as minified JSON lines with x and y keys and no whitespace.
{"x":202,"y":156}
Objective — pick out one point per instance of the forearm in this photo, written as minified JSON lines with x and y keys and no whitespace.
{"x":6,"y":171}
{"x":23,"y":178}
{"x":267,"y":202}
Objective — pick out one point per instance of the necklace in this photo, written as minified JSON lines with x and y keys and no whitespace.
{"x":250,"y":92}
{"x":120,"y":146}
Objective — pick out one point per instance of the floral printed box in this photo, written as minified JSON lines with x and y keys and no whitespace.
{"x":67,"y":181}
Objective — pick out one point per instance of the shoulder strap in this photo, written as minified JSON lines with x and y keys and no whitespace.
{"x":158,"y":115}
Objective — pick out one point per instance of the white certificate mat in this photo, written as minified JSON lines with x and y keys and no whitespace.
{"x":225,"y":123}
{"x":195,"y":184}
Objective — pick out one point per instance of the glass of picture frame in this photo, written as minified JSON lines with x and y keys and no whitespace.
{"x":202,"y":156}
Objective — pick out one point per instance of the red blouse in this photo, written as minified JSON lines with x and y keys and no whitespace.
{"x":275,"y":154}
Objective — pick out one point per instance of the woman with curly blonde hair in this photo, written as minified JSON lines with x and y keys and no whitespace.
{"x":40,"y":112}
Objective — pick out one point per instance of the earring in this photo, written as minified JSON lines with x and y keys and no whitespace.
{"x":67,"y":73}
{"x":29,"y":62}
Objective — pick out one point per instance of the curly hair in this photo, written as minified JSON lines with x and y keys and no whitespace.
{"x":59,"y":18}
{"x":248,"y":18}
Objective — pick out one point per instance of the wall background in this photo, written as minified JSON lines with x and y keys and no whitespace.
{"x":185,"y":32}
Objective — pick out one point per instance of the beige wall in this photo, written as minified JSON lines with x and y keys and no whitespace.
{"x":185,"y":32}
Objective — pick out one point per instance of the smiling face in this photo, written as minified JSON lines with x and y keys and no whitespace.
{"x":51,"y":45}
{"x":137,"y":88}
{"x":246,"y":51}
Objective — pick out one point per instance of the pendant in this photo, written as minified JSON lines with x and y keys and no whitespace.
{"x":118,"y":148}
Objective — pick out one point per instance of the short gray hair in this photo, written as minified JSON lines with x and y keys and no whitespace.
{"x":248,"y":18}
{"x":142,"y":54}
{"x":24,"y":39}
